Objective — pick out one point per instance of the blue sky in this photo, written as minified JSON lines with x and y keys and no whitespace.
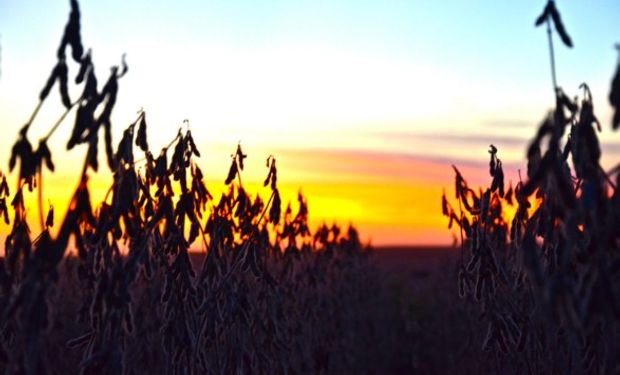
{"x":487,"y":48}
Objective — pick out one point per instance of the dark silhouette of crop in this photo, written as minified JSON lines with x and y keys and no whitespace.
{"x":614,"y":94}
{"x":546,"y":280}
{"x":551,"y":15}
{"x":269,"y":297}
{"x":160,"y":276}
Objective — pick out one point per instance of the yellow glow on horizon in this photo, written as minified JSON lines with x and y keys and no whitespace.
{"x":386,"y":210}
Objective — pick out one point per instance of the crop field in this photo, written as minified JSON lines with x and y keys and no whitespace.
{"x":161,"y":276}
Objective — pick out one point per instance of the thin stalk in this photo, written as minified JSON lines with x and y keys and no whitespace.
{"x":552,"y":57}
{"x":262,"y":215}
{"x":238,"y":173}
{"x":44,"y":139}
{"x":461,"y":231}
{"x":33,"y":115}
{"x":607,"y":178}
{"x":59,"y":121}
{"x":40,"y":196}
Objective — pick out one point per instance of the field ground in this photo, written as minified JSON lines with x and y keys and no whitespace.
{"x":424,"y":326}
{"x":438,"y":332}
{"x":411,"y":320}
{"x":418,"y":262}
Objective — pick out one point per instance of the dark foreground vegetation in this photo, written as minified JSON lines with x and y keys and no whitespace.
{"x":112,"y":286}
{"x":547,"y":280}
{"x":534,"y":293}
{"x":269,"y":296}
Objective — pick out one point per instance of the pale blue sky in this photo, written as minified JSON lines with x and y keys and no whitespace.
{"x":272,"y":72}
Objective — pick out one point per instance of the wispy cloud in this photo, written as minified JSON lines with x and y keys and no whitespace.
{"x":370,"y":165}
{"x":507,"y":123}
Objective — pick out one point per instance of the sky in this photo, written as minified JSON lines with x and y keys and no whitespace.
{"x":365,"y":104}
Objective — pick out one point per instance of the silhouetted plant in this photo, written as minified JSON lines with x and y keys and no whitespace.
{"x":548,"y":283}
{"x":551,"y":15}
{"x":267,"y":299}
{"x":614,"y":93}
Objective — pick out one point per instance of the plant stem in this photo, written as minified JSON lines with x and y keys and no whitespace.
{"x":262,"y":215}
{"x":33,"y":115}
{"x":552,"y":57}
{"x":461,"y":231}
{"x":606,"y":176}
{"x":238,"y":173}
{"x":40,"y":191}
{"x":59,"y":121}
{"x":44,"y":139}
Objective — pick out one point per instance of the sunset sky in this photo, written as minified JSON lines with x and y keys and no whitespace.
{"x":365,"y":104}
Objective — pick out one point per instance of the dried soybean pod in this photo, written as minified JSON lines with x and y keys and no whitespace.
{"x":108,"y":144}
{"x":232,"y":172}
{"x":49,"y":221}
{"x":43,"y":155}
{"x":489,"y":338}
{"x":493,"y":160}
{"x":79,"y":341}
{"x":4,"y":187}
{"x":444,"y":205}
{"x":240,"y":156}
{"x":559,"y":26}
{"x":5,"y":211}
{"x":141,"y":136}
{"x":614,"y":95}
{"x":461,"y":282}
{"x":85,"y":64}
{"x":480,"y":281}
{"x":451,"y":221}
{"x":543,"y":16}
{"x":72,"y":32}
{"x":92,"y":152}
{"x":190,"y":141}
{"x":50,"y":82}
{"x":274,"y":211}
{"x":62,"y":82}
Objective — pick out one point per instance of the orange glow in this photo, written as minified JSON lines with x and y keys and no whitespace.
{"x":392,"y":199}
